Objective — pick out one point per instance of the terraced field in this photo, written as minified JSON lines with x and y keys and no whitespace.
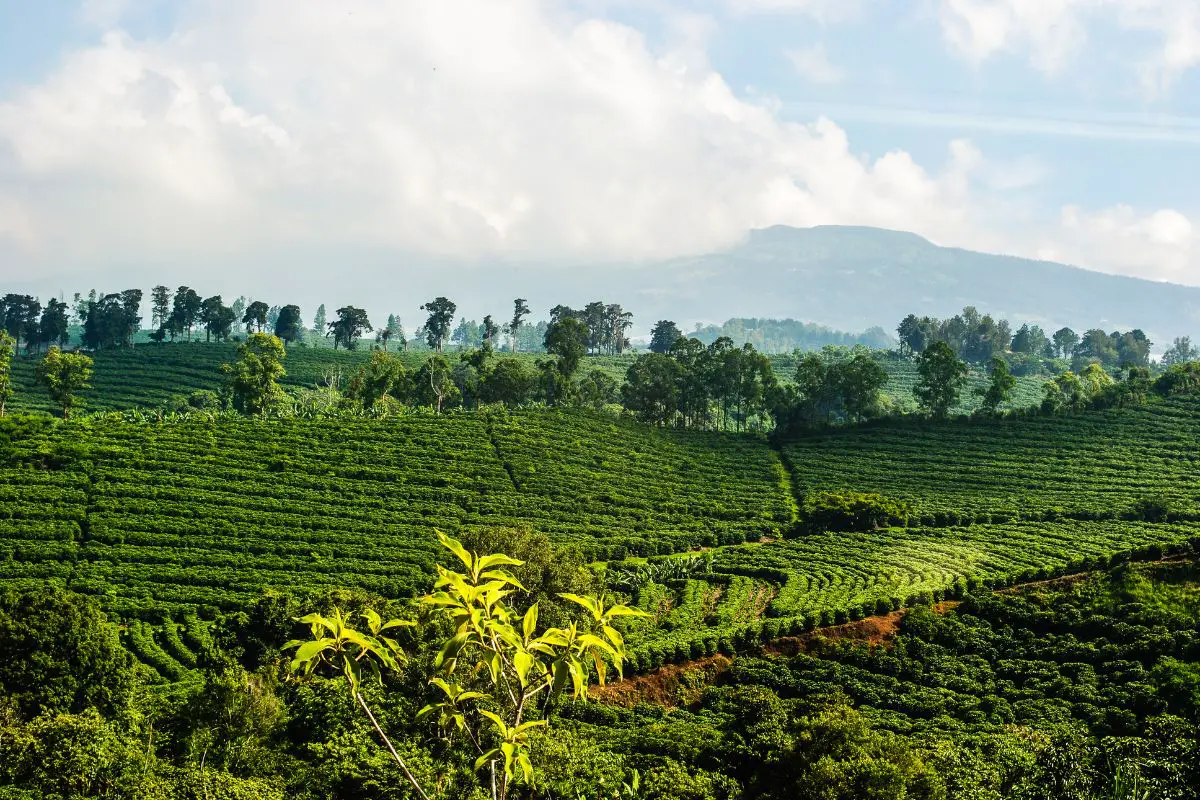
{"x":191,"y":515}
{"x":831,"y":578}
{"x":151,"y":376}
{"x":172,"y":523}
{"x":1093,"y":465}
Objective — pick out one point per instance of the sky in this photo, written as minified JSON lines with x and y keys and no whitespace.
{"x":337,"y":144}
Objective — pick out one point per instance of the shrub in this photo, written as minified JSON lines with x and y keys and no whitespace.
{"x":853,"y":511}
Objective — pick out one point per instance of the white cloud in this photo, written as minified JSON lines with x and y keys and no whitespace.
{"x":457,"y":127}
{"x":824,"y":11}
{"x":813,"y":64}
{"x":1055,"y":32}
{"x":1164,"y":244}
{"x":466,"y":129}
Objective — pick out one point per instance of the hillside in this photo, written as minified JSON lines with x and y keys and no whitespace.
{"x":855,"y":278}
{"x":154,"y":376}
{"x":192,"y":516}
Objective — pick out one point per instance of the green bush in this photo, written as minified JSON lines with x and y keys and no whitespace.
{"x":853,"y":511}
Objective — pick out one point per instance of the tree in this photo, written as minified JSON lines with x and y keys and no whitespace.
{"x":619,"y":321}
{"x":61,"y":654}
{"x":597,"y":389}
{"x":319,"y":321}
{"x":350,"y":324}
{"x":253,"y":380}
{"x":520,"y":311}
{"x":256,"y":316}
{"x":490,"y":329}
{"x":273,"y":317}
{"x":496,"y":677}
{"x":239,"y":309}
{"x":160,"y":305}
{"x":434,"y":384}
{"x":437,"y":324}
{"x":8,"y":348}
{"x":288,"y":324}
{"x":54,"y":327}
{"x":663,"y":336}
{"x":467,"y":334}
{"x":1181,"y":351}
{"x":211,"y":316}
{"x":940,"y":381}
{"x":912,"y":335}
{"x":1000,"y":389}
{"x":1065,"y":340}
{"x":64,"y":374}
{"x":383,"y":376}
{"x":651,"y":388}
{"x":185,"y":310}
{"x":509,"y":382}
{"x":567,"y":339}
{"x":383,"y":336}
{"x":20,"y":316}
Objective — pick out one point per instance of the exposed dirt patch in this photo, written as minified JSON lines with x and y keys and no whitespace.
{"x":672,"y":685}
{"x":878,"y":630}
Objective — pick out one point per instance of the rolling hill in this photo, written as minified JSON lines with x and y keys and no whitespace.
{"x":853,"y":278}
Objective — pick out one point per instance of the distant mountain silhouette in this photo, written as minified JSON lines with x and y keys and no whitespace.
{"x":852,"y":278}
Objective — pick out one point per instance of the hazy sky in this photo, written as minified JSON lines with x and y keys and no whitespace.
{"x":237,"y":143}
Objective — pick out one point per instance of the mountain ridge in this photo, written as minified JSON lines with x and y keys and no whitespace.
{"x":853,"y":278}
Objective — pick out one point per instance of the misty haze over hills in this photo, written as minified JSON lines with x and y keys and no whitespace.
{"x":852,"y":278}
{"x":846,"y":278}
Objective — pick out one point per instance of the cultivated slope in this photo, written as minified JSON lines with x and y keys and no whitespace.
{"x":193,"y":516}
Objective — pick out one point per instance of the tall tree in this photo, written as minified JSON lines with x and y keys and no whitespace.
{"x":383,"y":336}
{"x":288,"y":324}
{"x":8,"y":347}
{"x":320,"y":323}
{"x":54,"y":327}
{"x":273,"y":316}
{"x":256,"y":316}
{"x":160,"y":305}
{"x":21,"y":313}
{"x":131,"y":315}
{"x":999,"y":389}
{"x":520,"y":311}
{"x":239,"y":310}
{"x":210,"y":315}
{"x":253,"y":380}
{"x":619,"y":321}
{"x":1181,"y":351}
{"x":350,"y":324}
{"x":940,"y":381}
{"x":663,"y":336}
{"x":1065,"y":340}
{"x":433,"y":385}
{"x":651,"y":388}
{"x":594,"y":316}
{"x":437,"y":324}
{"x":567,"y":339}
{"x":185,"y":310}
{"x":490,"y":329}
{"x":467,"y":334}
{"x":64,"y":374}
